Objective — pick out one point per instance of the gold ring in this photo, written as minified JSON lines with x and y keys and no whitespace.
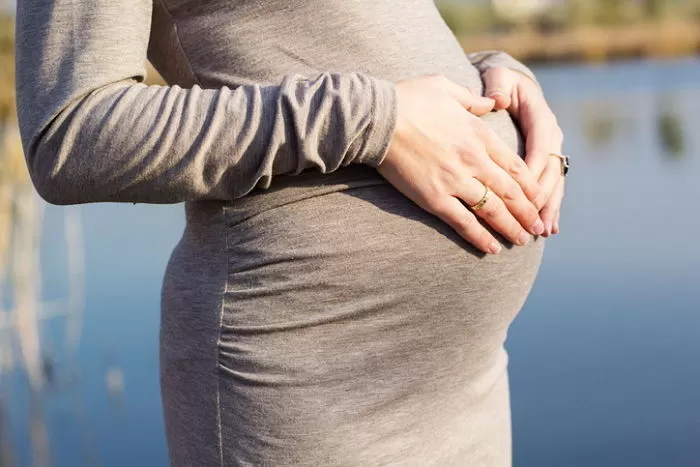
{"x":564,"y":162}
{"x":483,"y":200}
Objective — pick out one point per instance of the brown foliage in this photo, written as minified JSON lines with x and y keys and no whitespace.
{"x":7,"y":68}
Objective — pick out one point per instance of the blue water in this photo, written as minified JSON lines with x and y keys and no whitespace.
{"x":604,"y":367}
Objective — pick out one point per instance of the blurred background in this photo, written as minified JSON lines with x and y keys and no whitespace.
{"x":604,"y":357}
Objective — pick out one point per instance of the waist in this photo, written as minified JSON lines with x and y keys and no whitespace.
{"x":285,"y":189}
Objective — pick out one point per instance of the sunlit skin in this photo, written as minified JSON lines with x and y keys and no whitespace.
{"x":441,"y":153}
{"x":525,"y":101}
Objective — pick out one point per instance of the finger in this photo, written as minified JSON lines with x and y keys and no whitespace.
{"x":465,"y":223}
{"x":551,"y":177}
{"x":499,"y":84}
{"x":559,"y":194}
{"x":478,"y":105}
{"x":552,"y":207}
{"x":513,"y":165}
{"x":511,"y":194}
{"x":494,"y":212}
{"x":539,"y":142}
{"x":481,"y":106}
{"x":541,"y":131}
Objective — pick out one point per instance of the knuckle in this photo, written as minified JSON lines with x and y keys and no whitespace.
{"x":540,"y":199}
{"x":517,"y":168}
{"x":493,"y":209}
{"x":467,"y":153}
{"x":490,"y":213}
{"x":465,"y":222}
{"x":484,"y":238}
{"x":559,"y":134}
{"x":530,"y":216}
{"x":511,"y":192}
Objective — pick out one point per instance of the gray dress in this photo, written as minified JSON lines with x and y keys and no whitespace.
{"x":312,"y":315}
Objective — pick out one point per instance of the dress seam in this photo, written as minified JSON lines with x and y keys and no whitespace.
{"x":218,"y":338}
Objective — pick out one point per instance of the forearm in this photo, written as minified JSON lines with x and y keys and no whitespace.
{"x":159,"y":144}
{"x":92,"y":132}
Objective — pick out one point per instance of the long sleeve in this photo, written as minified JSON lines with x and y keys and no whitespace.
{"x":93,"y":132}
{"x":496,"y":58}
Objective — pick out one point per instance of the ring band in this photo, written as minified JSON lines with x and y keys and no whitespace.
{"x":480,"y":204}
{"x":564,"y":162}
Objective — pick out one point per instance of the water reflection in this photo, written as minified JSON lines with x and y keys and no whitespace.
{"x":670,"y":127}
{"x":603,"y":366}
{"x":605,"y":123}
{"x":601,"y":121}
{"x":25,"y":353}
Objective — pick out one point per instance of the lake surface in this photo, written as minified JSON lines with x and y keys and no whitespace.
{"x":604,"y":356}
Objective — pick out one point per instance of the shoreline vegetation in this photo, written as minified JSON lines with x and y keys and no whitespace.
{"x":551,"y":31}
{"x":673,"y":39}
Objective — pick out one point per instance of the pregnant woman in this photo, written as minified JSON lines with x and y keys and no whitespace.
{"x":334,"y":299}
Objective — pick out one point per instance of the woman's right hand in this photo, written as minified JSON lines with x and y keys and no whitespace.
{"x":442,"y":152}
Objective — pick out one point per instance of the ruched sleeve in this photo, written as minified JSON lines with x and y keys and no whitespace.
{"x":92,"y":131}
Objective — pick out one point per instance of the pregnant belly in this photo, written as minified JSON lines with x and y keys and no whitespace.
{"x":351,"y":323}
{"x":366,"y":268}
{"x":348,"y":249}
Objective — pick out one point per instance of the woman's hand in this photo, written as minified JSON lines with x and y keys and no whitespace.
{"x":441,"y":153}
{"x":524,"y":100}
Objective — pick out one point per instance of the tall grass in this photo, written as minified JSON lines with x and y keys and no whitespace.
{"x":7,"y":69}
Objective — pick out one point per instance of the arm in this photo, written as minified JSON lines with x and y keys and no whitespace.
{"x":92,"y":132}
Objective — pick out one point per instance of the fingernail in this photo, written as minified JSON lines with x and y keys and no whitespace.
{"x":524,"y":238}
{"x":495,"y":93}
{"x":548,"y":227}
{"x":538,"y":228}
{"x":494,"y":248}
{"x":555,"y":228}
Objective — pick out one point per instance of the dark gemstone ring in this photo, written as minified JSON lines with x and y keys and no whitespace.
{"x":564,"y":162}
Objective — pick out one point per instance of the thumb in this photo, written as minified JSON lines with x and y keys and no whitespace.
{"x":478,"y":105}
{"x":498,"y":85}
{"x":481,"y":105}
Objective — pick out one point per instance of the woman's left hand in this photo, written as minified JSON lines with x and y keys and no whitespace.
{"x":517,"y":93}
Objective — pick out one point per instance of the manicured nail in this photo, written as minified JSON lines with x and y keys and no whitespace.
{"x":494,"y":248}
{"x":524,"y":238}
{"x":538,"y":228}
